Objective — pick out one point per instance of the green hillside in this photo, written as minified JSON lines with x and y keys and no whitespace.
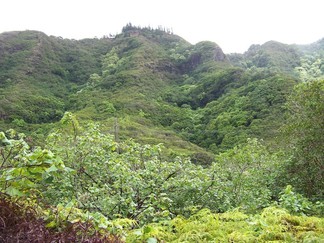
{"x":143,"y":134}
{"x":146,"y":77}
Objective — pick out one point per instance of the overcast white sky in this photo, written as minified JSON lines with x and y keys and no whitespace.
{"x":233,"y":24}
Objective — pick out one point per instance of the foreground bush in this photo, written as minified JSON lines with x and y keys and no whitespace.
{"x":19,"y":223}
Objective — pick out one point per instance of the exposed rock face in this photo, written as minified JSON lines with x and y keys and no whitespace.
{"x":203,"y":52}
{"x":219,"y":54}
{"x":210,"y":51}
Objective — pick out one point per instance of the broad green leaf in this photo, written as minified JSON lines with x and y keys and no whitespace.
{"x":14,"y":192}
{"x":147,"y":229}
{"x":138,"y":232}
{"x":52,"y":169}
{"x":151,"y":240}
{"x":51,"y":224}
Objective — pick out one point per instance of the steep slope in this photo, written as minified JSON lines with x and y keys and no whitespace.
{"x":150,"y":85}
{"x":272,"y":55}
{"x":98,"y":79}
{"x":137,"y":72}
{"x":37,"y":71}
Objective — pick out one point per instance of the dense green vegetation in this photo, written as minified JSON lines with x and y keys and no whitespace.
{"x":143,"y":137}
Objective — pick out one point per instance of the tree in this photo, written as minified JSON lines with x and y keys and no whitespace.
{"x":249,"y":172}
{"x":109,"y":63}
{"x":24,"y":171}
{"x":305,"y":129}
{"x":126,"y":179}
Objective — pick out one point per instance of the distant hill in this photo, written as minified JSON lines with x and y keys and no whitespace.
{"x":158,"y":87}
{"x":275,"y":56}
{"x":316,"y":47}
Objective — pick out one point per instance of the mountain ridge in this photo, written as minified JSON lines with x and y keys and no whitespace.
{"x":154,"y":82}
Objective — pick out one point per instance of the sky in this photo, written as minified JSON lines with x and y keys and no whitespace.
{"x":233,"y":24}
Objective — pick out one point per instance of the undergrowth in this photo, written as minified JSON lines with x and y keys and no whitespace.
{"x":20,"y":223}
{"x":271,"y":225}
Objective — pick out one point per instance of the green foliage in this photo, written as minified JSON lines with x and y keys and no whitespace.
{"x":311,"y":68}
{"x":165,"y":75}
{"x":109,"y":63}
{"x":22,"y":223}
{"x":19,"y":122}
{"x":44,"y":69}
{"x":304,"y":129}
{"x":215,"y":84}
{"x":153,"y":86}
{"x":62,"y":215}
{"x":123,"y":179}
{"x":296,"y":203}
{"x":117,"y":186}
{"x":272,"y":56}
{"x":272,"y":224}
{"x":254,"y":109}
{"x":26,"y":172}
{"x":249,"y":174}
{"x":34,"y":174}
